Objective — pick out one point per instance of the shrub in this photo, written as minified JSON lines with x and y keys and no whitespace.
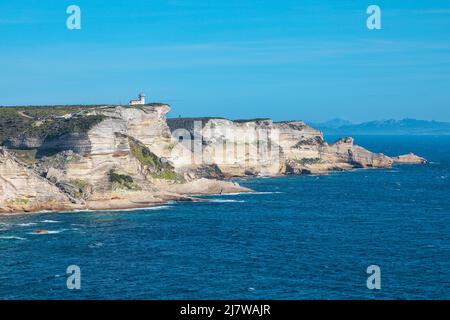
{"x":154,"y":165}
{"x":19,"y":201}
{"x":122,"y":181}
{"x":144,"y":156}
{"x":308,"y":161}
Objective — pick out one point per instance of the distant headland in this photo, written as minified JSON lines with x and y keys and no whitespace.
{"x":384,"y":127}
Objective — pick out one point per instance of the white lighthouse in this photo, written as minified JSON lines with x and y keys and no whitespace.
{"x":138,"y":102}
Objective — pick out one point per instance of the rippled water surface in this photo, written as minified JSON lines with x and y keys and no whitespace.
{"x":301,"y":237}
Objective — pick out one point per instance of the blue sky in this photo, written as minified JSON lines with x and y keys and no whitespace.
{"x":310,"y":60}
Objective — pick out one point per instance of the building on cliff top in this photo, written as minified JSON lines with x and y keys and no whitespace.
{"x":140,"y":101}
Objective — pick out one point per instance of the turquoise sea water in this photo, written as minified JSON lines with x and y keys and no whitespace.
{"x":303,"y":237}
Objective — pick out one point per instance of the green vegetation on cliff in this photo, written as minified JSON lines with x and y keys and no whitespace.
{"x":155,"y":166}
{"x":19,"y":123}
{"x":144,"y":155}
{"x":57,"y":128}
{"x":122,"y":181}
{"x":19,"y":201}
{"x":309,"y":161}
{"x":168,"y":175}
{"x":83,"y":189}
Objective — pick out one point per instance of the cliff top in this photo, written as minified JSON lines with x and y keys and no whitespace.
{"x":80,"y":106}
{"x":220,"y":118}
{"x":20,"y":123}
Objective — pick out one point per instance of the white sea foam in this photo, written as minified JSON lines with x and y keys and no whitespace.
{"x":12,"y":238}
{"x":56,"y":231}
{"x":158,"y":208}
{"x":230,"y":194}
{"x":5,"y":226}
{"x":26,"y":224}
{"x":50,"y":221}
{"x":95,"y":245}
{"x":247,"y":193}
{"x":266,"y":192}
{"x":224,"y":200}
{"x":134,"y":209}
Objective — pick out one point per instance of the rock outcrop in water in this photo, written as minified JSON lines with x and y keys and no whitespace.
{"x":114,"y":157}
{"x":409,"y":158}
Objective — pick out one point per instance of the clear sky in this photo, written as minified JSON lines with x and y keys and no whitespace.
{"x":284,"y":59}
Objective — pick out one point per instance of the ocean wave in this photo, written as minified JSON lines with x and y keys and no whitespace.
{"x":26,"y":224}
{"x":248,"y":193}
{"x":5,"y":226}
{"x":50,"y":221}
{"x":158,"y":208}
{"x":266,"y":192}
{"x":224,"y":200}
{"x":134,"y":209}
{"x":95,"y":245}
{"x":12,"y":238}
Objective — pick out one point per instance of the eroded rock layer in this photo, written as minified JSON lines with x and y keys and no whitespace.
{"x":264,"y":147}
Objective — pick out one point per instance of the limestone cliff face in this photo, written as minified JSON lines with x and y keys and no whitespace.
{"x":24,"y":142}
{"x":23,"y":189}
{"x":298,"y":140}
{"x":345,"y":151}
{"x":147,"y":124}
{"x":264,"y":147}
{"x":255,"y":147}
{"x":106,"y":146}
{"x":240,"y":148}
{"x":118,"y":157}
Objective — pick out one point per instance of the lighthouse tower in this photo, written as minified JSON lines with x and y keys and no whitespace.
{"x":140,"y":101}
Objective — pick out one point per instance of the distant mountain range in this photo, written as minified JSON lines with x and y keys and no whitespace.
{"x":384,"y":127}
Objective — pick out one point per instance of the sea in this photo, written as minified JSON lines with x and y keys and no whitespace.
{"x":296,"y":237}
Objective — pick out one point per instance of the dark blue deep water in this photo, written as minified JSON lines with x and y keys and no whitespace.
{"x":307,"y":237}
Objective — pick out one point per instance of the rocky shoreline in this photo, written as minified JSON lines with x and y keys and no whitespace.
{"x":118,"y":157}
